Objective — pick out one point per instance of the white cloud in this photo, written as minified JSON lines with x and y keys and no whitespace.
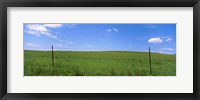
{"x":88,"y":46}
{"x":58,"y":45}
{"x":71,"y":25}
{"x":68,"y":42}
{"x":53,"y":25}
{"x":116,"y":30}
{"x":155,"y":40}
{"x":61,"y":45}
{"x":112,"y":29}
{"x":163,"y":52}
{"x":109,"y":30}
{"x":168,"y":39}
{"x":61,"y":40}
{"x":38,"y":29}
{"x":43,"y":29}
{"x":32,"y":45}
{"x":33,"y":32}
{"x":150,"y":26}
{"x":166,"y":49}
{"x":52,"y":36}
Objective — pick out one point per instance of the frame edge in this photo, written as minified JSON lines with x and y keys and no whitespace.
{"x":3,"y":49}
{"x":196,"y":33}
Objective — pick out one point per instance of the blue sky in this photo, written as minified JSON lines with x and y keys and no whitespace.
{"x":101,"y":37}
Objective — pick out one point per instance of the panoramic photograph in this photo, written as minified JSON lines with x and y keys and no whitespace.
{"x":111,"y":49}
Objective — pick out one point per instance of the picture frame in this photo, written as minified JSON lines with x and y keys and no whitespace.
{"x":99,"y":3}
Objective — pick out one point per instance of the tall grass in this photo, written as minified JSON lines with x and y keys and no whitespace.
{"x":107,"y":63}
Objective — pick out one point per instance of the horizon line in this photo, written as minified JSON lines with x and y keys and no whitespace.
{"x":101,"y":51}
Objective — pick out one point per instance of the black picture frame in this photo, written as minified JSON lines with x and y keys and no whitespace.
{"x":99,"y":3}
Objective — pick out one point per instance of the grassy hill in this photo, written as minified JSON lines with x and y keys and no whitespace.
{"x":96,"y":63}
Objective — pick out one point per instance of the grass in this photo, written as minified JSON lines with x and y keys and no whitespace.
{"x":105,"y":63}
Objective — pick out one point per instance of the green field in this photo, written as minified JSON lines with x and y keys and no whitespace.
{"x":105,"y":63}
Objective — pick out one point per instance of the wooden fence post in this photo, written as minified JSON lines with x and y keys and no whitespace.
{"x":150,"y":61}
{"x":52,"y":57}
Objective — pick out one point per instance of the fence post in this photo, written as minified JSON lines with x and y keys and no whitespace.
{"x":150,"y":61}
{"x":52,"y":57}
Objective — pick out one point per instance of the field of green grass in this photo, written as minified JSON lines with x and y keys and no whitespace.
{"x":107,"y":63}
